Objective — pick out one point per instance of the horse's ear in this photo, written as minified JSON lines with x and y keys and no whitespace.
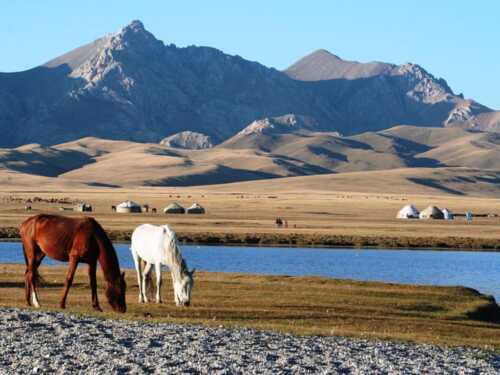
{"x":123,"y":275}
{"x":192,"y":271}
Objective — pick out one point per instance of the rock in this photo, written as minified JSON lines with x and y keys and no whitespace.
{"x":188,"y":140}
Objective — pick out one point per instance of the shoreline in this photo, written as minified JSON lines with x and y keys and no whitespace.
{"x":290,"y":239}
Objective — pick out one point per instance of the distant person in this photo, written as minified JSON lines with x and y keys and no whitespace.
{"x":279,"y":222}
{"x":468,"y":217}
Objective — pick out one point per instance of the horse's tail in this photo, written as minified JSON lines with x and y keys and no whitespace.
{"x":148,"y":277}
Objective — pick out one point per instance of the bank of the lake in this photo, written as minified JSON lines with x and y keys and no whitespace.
{"x":472,"y":269}
{"x":286,"y":237}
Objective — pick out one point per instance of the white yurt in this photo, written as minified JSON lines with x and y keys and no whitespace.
{"x":432,"y":212}
{"x":408,"y":212}
{"x":195,"y":209}
{"x":174,"y":208}
{"x":447,"y":214}
{"x":128,"y":207}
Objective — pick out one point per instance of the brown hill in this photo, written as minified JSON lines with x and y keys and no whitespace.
{"x":262,"y":154}
{"x":428,"y":181}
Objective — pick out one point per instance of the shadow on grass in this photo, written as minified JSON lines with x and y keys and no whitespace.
{"x":44,"y":285}
{"x":487,"y":312}
{"x":429,"y":182}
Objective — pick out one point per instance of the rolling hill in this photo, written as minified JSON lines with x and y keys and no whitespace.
{"x":285,"y":146}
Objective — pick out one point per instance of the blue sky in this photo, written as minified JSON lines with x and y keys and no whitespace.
{"x":454,"y":39}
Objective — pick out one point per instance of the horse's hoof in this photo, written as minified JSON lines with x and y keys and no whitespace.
{"x":97,"y":308}
{"x":62,"y":306}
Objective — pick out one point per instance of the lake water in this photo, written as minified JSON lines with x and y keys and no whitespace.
{"x":478,"y":270}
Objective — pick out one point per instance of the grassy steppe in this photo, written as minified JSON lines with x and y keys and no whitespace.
{"x":246,"y":214}
{"x":298,"y":305}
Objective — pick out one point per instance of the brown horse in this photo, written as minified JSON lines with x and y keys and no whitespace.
{"x":71,"y":240}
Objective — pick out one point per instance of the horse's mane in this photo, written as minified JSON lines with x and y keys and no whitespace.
{"x":173,"y":252}
{"x":106,"y":245}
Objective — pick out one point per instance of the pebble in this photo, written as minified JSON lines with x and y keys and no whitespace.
{"x":40,"y":342}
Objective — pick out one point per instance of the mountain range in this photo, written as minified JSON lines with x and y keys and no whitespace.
{"x":130,"y":86}
{"x":128,"y":110}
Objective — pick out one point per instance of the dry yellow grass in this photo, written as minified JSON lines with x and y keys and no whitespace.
{"x":245,"y":210}
{"x":299,"y":305}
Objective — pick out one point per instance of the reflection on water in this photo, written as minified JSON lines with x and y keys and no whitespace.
{"x":478,"y":270}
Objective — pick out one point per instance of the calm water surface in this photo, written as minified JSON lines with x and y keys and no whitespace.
{"x":478,"y":270}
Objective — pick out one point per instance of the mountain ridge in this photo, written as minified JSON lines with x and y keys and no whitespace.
{"x":130,"y":86}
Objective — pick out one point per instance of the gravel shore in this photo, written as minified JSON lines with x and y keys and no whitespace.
{"x":47,"y":342}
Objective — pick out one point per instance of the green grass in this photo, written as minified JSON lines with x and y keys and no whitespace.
{"x":298,"y":305}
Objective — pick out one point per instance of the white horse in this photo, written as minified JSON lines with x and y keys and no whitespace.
{"x":157,"y":245}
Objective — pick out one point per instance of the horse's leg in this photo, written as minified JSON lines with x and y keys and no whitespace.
{"x":32,"y":256}
{"x":27,"y":276}
{"x":73,"y":263}
{"x":35,"y":281}
{"x":93,"y":285}
{"x":137,"y":263}
{"x":158,"y":281}
{"x":145,"y":273}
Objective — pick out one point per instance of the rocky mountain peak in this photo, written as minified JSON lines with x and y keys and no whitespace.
{"x":288,"y":123}
{"x":116,"y":61}
{"x":134,"y":35}
{"x":322,"y":65}
{"x":323,"y":53}
{"x":424,"y":86}
{"x":188,"y":140}
{"x":135,"y":26}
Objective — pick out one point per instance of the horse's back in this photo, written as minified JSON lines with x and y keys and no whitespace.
{"x":147,"y":242}
{"x":55,"y":235}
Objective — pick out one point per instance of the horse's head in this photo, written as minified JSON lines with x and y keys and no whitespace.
{"x":115,"y":292}
{"x":183,"y":288}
